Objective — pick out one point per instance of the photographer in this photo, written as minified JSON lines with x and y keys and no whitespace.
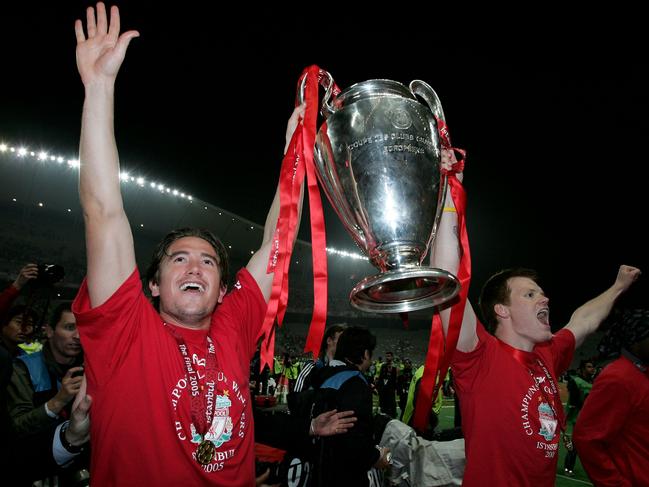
{"x":25,"y":459}
{"x":44,"y":383}
{"x":17,"y":323}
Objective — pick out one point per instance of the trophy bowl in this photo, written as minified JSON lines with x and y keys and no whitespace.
{"x":378,"y":158}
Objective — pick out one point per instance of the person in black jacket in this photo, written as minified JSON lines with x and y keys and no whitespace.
{"x":344,"y":460}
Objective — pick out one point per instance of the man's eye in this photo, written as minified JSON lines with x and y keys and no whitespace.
{"x":208,"y":261}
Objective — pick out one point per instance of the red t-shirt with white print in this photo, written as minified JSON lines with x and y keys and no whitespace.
{"x":141,"y":427}
{"x":508,"y":414}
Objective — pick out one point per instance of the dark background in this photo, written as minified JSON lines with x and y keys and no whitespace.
{"x":551,"y":108}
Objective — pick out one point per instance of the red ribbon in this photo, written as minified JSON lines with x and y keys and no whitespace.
{"x":298,"y":161}
{"x":438,"y":357}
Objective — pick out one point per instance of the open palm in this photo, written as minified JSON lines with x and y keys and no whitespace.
{"x":101,"y":53}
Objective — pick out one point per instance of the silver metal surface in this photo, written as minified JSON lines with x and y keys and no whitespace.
{"x":378,"y":159}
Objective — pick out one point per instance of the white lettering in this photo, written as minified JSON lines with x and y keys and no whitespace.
{"x":198,"y":361}
{"x":213,"y":467}
{"x":224,"y":455}
{"x":180,"y":432}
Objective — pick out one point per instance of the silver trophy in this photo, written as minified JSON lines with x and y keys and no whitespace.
{"x":378,"y":158}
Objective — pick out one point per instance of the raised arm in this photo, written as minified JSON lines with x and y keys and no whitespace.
{"x":587,"y":318}
{"x":259,"y":261}
{"x":445,"y":254}
{"x":109,"y":242}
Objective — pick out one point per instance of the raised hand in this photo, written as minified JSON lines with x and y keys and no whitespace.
{"x":296,"y":117}
{"x":626,"y":276}
{"x":449,"y":160}
{"x":101,"y":53}
{"x":30,"y":271}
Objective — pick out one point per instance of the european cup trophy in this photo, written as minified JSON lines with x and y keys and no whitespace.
{"x":378,"y":156}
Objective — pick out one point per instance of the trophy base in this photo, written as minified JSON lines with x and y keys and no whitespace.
{"x":402,"y":290}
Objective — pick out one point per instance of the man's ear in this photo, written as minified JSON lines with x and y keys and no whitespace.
{"x":501,"y":311}
{"x":154,"y":288}
{"x":49,"y":331}
{"x":222,"y":291}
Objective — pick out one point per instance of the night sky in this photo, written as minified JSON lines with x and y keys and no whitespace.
{"x":553,"y":116}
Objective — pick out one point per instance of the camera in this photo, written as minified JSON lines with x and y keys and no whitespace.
{"x":49,"y":274}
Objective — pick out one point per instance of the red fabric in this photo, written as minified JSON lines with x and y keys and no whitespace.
{"x":318,"y":237}
{"x":405,"y":318}
{"x":7,"y":297}
{"x":265,"y":453}
{"x":612,"y":431}
{"x":141,"y":428}
{"x":439,"y":354}
{"x":502,"y":408}
{"x":297,"y":162}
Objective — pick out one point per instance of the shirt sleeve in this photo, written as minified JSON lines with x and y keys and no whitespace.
{"x":109,"y":331}
{"x":600,"y":420}
{"x":60,"y":454}
{"x":242,"y":311}
{"x":303,"y":378}
{"x":466,"y":364}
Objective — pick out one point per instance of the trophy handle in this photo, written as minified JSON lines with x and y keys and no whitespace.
{"x":423,"y":89}
{"x":327,"y":82}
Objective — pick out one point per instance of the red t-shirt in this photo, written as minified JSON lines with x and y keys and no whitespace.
{"x":141,"y":426}
{"x":511,"y":433}
{"x":612,"y":430}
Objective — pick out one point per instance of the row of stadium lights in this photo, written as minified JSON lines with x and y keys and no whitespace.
{"x":125,"y":177}
{"x":74,"y":163}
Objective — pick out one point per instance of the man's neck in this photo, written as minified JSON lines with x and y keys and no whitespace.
{"x":513,"y":340}
{"x":61,"y":359}
{"x":202,"y":324}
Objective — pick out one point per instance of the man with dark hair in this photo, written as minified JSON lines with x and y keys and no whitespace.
{"x":44,"y":383}
{"x":17,"y":326}
{"x":507,"y":382}
{"x":27,"y":458}
{"x":612,"y":430}
{"x":170,"y":387}
{"x":16,"y":323}
{"x":327,"y":352}
{"x":344,"y":460}
{"x":153,"y":271}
